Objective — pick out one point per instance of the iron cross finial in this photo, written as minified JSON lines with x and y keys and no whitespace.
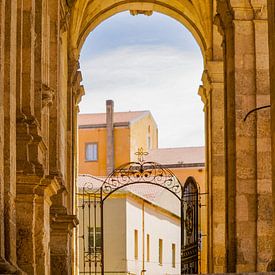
{"x":140,"y":153}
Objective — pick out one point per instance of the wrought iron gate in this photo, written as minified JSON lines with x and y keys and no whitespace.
{"x":91,"y":212}
{"x":190,"y":232}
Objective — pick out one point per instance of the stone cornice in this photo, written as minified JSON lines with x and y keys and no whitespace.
{"x":36,"y":185}
{"x":62,"y":222}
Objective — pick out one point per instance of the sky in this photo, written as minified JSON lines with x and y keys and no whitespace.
{"x":146,"y":63}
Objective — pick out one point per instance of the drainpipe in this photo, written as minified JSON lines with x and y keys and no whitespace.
{"x":110,"y":135}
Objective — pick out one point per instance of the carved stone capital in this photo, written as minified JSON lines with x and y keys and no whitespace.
{"x":48,"y":187}
{"x":62,"y":222}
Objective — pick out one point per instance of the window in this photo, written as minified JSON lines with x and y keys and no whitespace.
{"x":94,"y":239}
{"x":91,"y":152}
{"x":149,"y":143}
{"x":173,"y":255}
{"x":136,"y":244}
{"x":160,"y":251}
{"x":149,"y":146}
{"x":148,"y":247}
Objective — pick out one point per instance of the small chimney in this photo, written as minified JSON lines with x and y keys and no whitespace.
{"x":110,"y":135}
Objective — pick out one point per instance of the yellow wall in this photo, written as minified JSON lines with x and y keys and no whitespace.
{"x":139,"y":133}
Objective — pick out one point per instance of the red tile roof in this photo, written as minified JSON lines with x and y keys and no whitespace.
{"x":119,"y":117}
{"x":181,"y":155}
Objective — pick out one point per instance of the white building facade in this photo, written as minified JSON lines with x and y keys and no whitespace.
{"x":140,"y":236}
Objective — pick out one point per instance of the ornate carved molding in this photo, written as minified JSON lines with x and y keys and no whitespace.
{"x":48,"y":96}
{"x":144,"y":12}
{"x":48,"y":187}
{"x":65,"y":14}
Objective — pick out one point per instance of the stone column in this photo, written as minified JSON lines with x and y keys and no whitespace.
{"x":9,"y":127}
{"x":213,"y":89}
{"x":223,"y":20}
{"x":246,"y":161}
{"x":248,"y":140}
{"x":2,"y":68}
{"x":44,"y":191}
{"x":264,"y":171}
{"x":33,"y":222}
{"x":271,"y":32}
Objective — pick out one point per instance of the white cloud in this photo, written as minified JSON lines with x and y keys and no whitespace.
{"x":161,"y":79}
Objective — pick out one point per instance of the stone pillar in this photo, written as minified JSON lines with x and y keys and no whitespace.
{"x":61,"y":245}
{"x":213,"y":94}
{"x":264,"y":171}
{"x":33,"y":222}
{"x":9,"y":175}
{"x":271,"y":32}
{"x":2,"y":68}
{"x":44,"y":191}
{"x":248,"y":140}
{"x":110,"y":135}
{"x":246,"y":161}
{"x":25,"y":232}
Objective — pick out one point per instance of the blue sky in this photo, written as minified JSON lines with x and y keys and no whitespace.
{"x":146,"y":63}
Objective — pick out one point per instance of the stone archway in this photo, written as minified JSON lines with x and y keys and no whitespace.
{"x":197,"y":17}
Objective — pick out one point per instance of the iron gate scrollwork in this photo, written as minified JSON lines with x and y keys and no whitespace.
{"x":190,"y":233}
{"x":139,"y":173}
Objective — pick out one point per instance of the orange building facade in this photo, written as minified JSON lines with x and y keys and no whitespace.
{"x":130,"y":130}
